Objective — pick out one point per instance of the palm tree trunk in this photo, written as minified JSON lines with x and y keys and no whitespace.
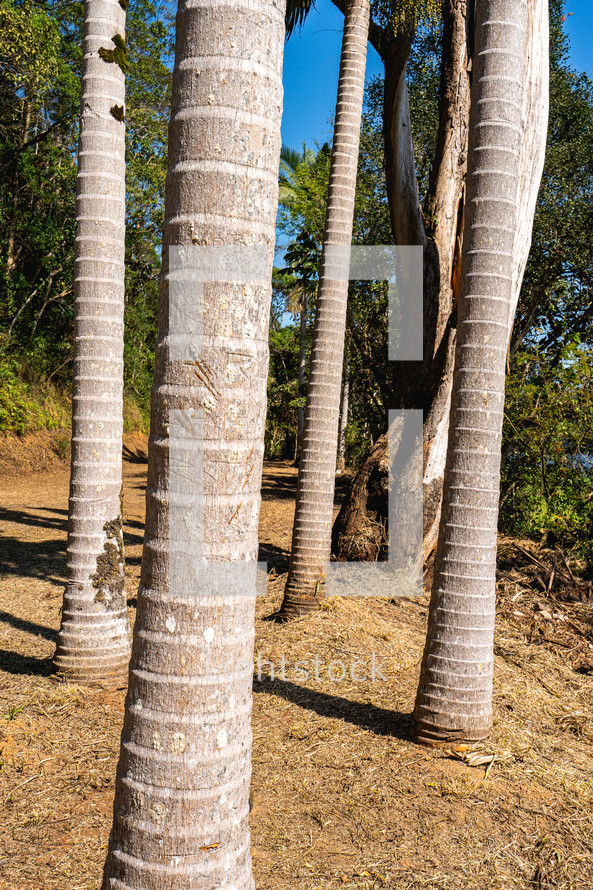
{"x":182,"y":791}
{"x":311,"y":539}
{"x":454,"y":699}
{"x":341,"y":462}
{"x":302,"y":373}
{"x":93,"y":642}
{"x":426,"y":385}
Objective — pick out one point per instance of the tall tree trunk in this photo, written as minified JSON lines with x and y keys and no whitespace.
{"x":182,"y":791}
{"x":302,"y":373}
{"x":424,"y":384}
{"x":93,"y":642}
{"x":311,"y":539}
{"x":454,"y":697}
{"x":341,"y":461}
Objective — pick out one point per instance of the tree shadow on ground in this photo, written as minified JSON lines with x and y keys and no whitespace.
{"x":378,"y":720}
{"x":44,"y":560}
{"x":21,"y":517}
{"x":279,"y":487}
{"x":283,"y":486}
{"x":139,"y":456}
{"x":38,"y":630}
{"x":15,"y":663}
{"x":276,"y":557}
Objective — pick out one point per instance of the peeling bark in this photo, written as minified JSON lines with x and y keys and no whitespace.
{"x":424,"y":385}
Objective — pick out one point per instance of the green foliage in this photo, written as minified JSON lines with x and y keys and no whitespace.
{"x":547,"y":474}
{"x":403,"y":14}
{"x":547,"y":466}
{"x":296,"y":13}
{"x":30,"y":46}
{"x":21,"y":409}
{"x":39,"y":107}
{"x":304,"y":179}
{"x":18,"y":412}
{"x":283,"y":393}
{"x":396,"y":14}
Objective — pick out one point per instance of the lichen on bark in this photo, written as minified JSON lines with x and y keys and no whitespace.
{"x":108,"y":579}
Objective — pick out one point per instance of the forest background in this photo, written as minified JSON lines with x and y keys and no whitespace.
{"x":547,"y":473}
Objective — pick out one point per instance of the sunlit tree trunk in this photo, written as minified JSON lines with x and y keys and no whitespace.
{"x":93,"y":642}
{"x":302,"y":372}
{"x":438,"y":228}
{"x":454,"y":697}
{"x":182,"y":790}
{"x":341,"y":462}
{"x":311,"y":539}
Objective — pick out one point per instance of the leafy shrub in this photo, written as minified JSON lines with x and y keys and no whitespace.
{"x":547,"y":455}
{"x":24,"y":407}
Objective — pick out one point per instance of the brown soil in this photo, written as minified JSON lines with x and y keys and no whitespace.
{"x":342,"y":797}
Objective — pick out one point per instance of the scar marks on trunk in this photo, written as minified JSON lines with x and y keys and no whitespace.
{"x":249,"y":472}
{"x":235,"y":513}
{"x":251,"y":468}
{"x":108,"y":578}
{"x":205,"y":376}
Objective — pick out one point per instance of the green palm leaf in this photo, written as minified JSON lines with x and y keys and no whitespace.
{"x":296,"y":13}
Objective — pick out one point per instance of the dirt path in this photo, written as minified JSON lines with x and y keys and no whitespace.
{"x":342,"y":798}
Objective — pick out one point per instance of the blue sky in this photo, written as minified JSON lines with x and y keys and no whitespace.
{"x":312,"y":58}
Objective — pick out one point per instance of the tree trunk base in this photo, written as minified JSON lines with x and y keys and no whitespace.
{"x":438,"y":737}
{"x":297,"y":605}
{"x":360,"y":529}
{"x":111,"y":683}
{"x":111,"y":677}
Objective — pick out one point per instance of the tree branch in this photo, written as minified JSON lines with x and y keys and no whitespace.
{"x":13,"y":155}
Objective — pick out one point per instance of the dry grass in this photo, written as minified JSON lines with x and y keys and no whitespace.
{"x":342,"y":798}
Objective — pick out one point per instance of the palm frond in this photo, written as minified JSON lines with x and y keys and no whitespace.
{"x":290,"y":157}
{"x":296,"y":13}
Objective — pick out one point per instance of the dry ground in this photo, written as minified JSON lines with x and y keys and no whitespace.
{"x":342,"y":798}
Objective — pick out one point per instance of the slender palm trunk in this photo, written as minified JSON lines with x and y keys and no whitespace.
{"x":454,"y":697}
{"x":311,"y":539}
{"x":302,"y":373}
{"x":341,"y":462}
{"x":182,"y":791}
{"x":93,"y":643}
